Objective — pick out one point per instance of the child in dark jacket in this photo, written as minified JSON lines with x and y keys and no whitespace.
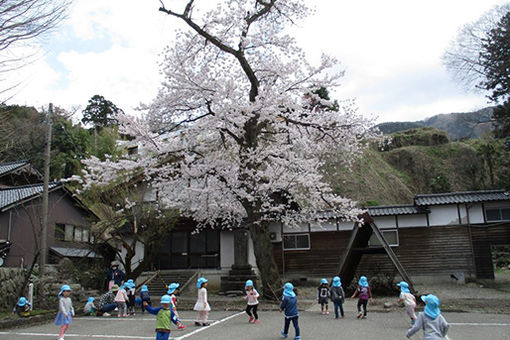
{"x":145,"y":297}
{"x":323,"y":296}
{"x":289,"y":307}
{"x":337,"y":296}
{"x":365,"y":295}
{"x":164,"y":315}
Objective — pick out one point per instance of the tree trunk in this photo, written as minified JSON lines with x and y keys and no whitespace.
{"x":263,"y":248}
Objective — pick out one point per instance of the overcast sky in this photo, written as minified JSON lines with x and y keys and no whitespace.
{"x":391,"y":52}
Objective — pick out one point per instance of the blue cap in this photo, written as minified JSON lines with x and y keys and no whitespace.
{"x":166,"y":299}
{"x":22,"y":301}
{"x":404,"y":287}
{"x":324,"y":281}
{"x":337,"y":282}
{"x":363,"y":282}
{"x":64,"y":288}
{"x":432,"y":303}
{"x":249,"y":283}
{"x":144,"y":288}
{"x":90,"y":299}
{"x":288,"y":290}
{"x":200,"y":282}
{"x":173,"y":286}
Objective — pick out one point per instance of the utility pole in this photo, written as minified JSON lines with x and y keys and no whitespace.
{"x":43,"y":258}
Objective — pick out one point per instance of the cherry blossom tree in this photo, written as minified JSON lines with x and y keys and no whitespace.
{"x":238,"y":133}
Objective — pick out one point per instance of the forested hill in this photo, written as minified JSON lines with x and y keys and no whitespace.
{"x":457,"y":125}
{"x":422,"y":160}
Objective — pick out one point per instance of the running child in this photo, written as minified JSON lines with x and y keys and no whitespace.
{"x":323,"y":296}
{"x":337,"y":296}
{"x":65,"y":311}
{"x":202,"y":306}
{"x":408,"y":299}
{"x":365,"y":295}
{"x":252,"y":301}
{"x":164,"y":315}
{"x":289,"y":307}
{"x":172,"y":291}
{"x":430,"y":320}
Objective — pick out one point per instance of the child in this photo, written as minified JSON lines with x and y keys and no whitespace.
{"x":23,"y":307}
{"x":364,"y":296}
{"x":202,"y":306}
{"x":121,"y":299}
{"x":65,"y":311}
{"x":90,"y":308}
{"x":323,"y":296}
{"x":252,"y":301}
{"x":337,"y":296}
{"x":172,"y":290}
{"x":145,"y":297}
{"x":430,"y":320}
{"x":408,"y":299}
{"x":164,"y":315}
{"x":130,"y":291}
{"x":289,"y":306}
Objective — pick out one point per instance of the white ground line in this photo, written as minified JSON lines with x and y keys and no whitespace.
{"x":80,"y":335}
{"x":115,"y":319}
{"x":478,"y":324}
{"x":187,"y":335}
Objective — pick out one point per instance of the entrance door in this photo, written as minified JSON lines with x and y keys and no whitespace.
{"x":183,"y":250}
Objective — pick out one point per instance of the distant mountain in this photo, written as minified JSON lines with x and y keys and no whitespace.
{"x":457,"y":125}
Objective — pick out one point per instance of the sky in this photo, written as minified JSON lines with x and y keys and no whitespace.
{"x":390,"y":50}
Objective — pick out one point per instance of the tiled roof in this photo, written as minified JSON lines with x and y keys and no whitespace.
{"x":14,"y":195}
{"x":461,"y":197}
{"x":395,"y":210}
{"x":5,"y":168}
{"x":75,"y":252}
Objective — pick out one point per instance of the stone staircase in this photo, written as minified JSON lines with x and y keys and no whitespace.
{"x":161,"y":279}
{"x":233,"y":284}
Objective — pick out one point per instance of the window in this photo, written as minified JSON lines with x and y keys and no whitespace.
{"x":296,"y":242}
{"x":60,"y":232}
{"x":391,"y":236}
{"x":69,"y":233}
{"x":498,"y":214}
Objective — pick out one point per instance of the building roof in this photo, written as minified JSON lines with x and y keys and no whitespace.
{"x":461,"y":197}
{"x":395,"y":210}
{"x":75,"y":252}
{"x":6,"y":168}
{"x":15,"y":195}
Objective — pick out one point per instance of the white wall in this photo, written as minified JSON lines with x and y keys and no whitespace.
{"x":226,"y":249}
{"x":385,"y":222}
{"x":276,"y":227}
{"x":443,"y":215}
{"x":342,"y":226}
{"x":329,"y":225}
{"x":476,"y":213}
{"x":407,"y":221}
{"x":139,"y":249}
{"x":301,"y":228}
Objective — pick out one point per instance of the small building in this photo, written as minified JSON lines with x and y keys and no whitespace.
{"x":20,"y":219}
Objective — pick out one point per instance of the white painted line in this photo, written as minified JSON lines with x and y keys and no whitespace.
{"x":479,"y":324}
{"x":115,"y":319}
{"x":99,"y":336}
{"x":211,"y":325}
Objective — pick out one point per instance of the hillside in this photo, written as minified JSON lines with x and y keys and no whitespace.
{"x":460,"y":125}
{"x":420,"y":160}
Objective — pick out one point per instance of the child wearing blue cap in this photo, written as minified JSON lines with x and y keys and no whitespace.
{"x":252,"y":301}
{"x":365,"y":295}
{"x":164,"y":315}
{"x":290,"y":309}
{"x":408,"y":299}
{"x":172,"y":290}
{"x":145,"y":296}
{"x":131,"y":291}
{"x":430,"y":320}
{"x":65,"y":311}
{"x":202,"y":306}
{"x":337,"y":296}
{"x":121,"y":299}
{"x":90,"y":308}
{"x":323,"y":296}
{"x":23,"y":307}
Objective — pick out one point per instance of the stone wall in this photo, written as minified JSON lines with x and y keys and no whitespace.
{"x":10,"y":281}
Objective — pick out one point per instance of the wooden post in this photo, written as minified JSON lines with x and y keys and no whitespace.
{"x":43,"y":259}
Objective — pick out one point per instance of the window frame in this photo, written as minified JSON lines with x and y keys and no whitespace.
{"x":500,"y":211}
{"x":295,"y":235}
{"x":382,"y":232}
